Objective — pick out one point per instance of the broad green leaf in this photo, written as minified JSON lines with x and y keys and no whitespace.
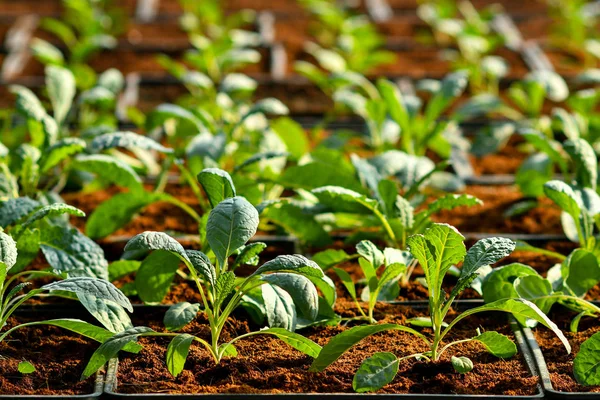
{"x":111,"y":347}
{"x":60,"y":151}
{"x":564,"y":196}
{"x":112,"y":79}
{"x":300,"y":288}
{"x":68,"y":250}
{"x":486,"y":252}
{"x":91,"y":286}
{"x":554,"y":85}
{"x":177,"y":353}
{"x":293,"y":136}
{"x":110,"y":169}
{"x":498,"y":284}
{"x":329,"y":258}
{"x":180,"y":314}
{"x":586,"y":364}
{"x":167,"y":111}
{"x":581,"y":271}
{"x":156,"y":273}
{"x":28,"y":248}
{"x":535,"y":289}
{"x":28,"y":105}
{"x":150,"y":240}
{"x":375,"y":372}
{"x":25,"y":367}
{"x":586,"y":162}
{"x":230,"y":225}
{"x":462,"y":365}
{"x":118,"y":211}
{"x":217,"y":184}
{"x":121,"y":268}
{"x":295,"y":221}
{"x":450,"y":201}
{"x":318,"y":174}
{"x":60,"y":84}
{"x":497,"y":344}
{"x":371,"y":253}
{"x":127,"y":140}
{"x":438,"y":249}
{"x":224,"y":285}
{"x":12,"y":210}
{"x":291,"y":263}
{"x":108,"y":313}
{"x":8,"y":252}
{"x":340,"y":199}
{"x":279,"y":307}
{"x":340,"y":343}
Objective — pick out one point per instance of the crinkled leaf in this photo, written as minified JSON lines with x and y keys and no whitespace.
{"x":127,"y":140}
{"x":217,"y":184}
{"x":91,"y":286}
{"x":109,"y":169}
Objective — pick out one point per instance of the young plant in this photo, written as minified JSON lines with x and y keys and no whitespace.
{"x":86,"y":28}
{"x":379,"y":288}
{"x":437,"y":250}
{"x":566,"y":285}
{"x":583,"y":363}
{"x":287,"y":284}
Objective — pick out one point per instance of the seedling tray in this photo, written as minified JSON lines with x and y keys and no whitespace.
{"x":111,"y":383}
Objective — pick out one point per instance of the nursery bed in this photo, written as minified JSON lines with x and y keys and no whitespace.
{"x":285,"y":370}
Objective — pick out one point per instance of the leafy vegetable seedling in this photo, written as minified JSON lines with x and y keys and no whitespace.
{"x":288,"y":284}
{"x":382,"y":288}
{"x":439,"y":248}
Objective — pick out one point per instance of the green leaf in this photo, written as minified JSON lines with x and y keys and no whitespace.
{"x":180,"y":314}
{"x":150,"y":240}
{"x":497,"y":344}
{"x":108,"y":313}
{"x":121,"y":268}
{"x":293,"y":136}
{"x":301,"y":289}
{"x":291,"y":263}
{"x":118,"y":211}
{"x":371,"y":253}
{"x":50,"y":211}
{"x":346,"y":281}
{"x":393,"y":101}
{"x":564,"y":196}
{"x":375,"y":372}
{"x":224,"y":285}
{"x":111,"y":347}
{"x":91,"y":286}
{"x":217,"y":184}
{"x":486,"y":252}
{"x":12,"y":210}
{"x":28,"y":105}
{"x":587,"y":362}
{"x":25,"y":367}
{"x":340,"y":343}
{"x":581,"y":271}
{"x":295,"y":340}
{"x":318,"y":174}
{"x":329,"y":258}
{"x":340,"y":199}
{"x":177,"y":353}
{"x":112,"y":79}
{"x":8,"y":252}
{"x":167,"y":111}
{"x":498,"y":284}
{"x":28,"y":248}
{"x":450,"y":201}
{"x":68,"y":250}
{"x":230,"y":224}
{"x":109,"y":169}
{"x":156,"y":273}
{"x":127,"y":140}
{"x":520,"y":308}
{"x":202,"y":265}
{"x":462,"y":365}
{"x":60,"y":151}
{"x":249,"y":254}
{"x":586,"y":162}
{"x":295,"y":221}
{"x":60,"y":84}
{"x":438,"y":249}
{"x":279,"y":307}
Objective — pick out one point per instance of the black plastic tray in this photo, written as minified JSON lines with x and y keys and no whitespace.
{"x":111,"y":382}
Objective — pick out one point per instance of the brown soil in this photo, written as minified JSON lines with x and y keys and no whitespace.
{"x":560,"y":364}
{"x":489,"y":218}
{"x":58,"y":356}
{"x":506,"y":160}
{"x":267,"y":365}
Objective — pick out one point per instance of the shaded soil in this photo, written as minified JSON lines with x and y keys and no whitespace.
{"x":58,"y":356}
{"x":560,"y":364}
{"x":267,"y":365}
{"x":506,"y":160}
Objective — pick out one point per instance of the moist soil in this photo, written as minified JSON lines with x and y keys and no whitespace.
{"x":560,"y":364}
{"x":267,"y":365}
{"x":58,"y":356}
